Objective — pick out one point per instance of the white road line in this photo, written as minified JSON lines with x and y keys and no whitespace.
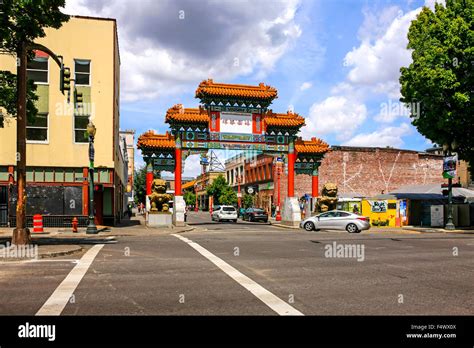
{"x":61,"y":296}
{"x":272,"y":301}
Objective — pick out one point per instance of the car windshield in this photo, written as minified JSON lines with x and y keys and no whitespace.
{"x":259,"y":210}
{"x":228,"y":209}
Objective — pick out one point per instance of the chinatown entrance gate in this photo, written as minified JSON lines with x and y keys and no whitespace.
{"x":232,"y":117}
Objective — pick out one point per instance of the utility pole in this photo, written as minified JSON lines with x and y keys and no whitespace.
{"x":21,"y":234}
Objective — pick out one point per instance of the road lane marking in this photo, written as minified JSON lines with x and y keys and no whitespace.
{"x":61,"y":296}
{"x":272,"y":301}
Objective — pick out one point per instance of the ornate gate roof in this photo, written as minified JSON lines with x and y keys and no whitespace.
{"x":208,"y":89}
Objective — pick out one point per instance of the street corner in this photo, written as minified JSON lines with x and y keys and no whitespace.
{"x":36,"y":251}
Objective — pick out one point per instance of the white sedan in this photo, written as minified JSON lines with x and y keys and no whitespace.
{"x":336,"y":220}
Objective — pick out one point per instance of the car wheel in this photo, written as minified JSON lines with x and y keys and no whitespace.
{"x":309,"y":226}
{"x":352,"y":228}
{"x":218,"y":219}
{"x":235,"y":221}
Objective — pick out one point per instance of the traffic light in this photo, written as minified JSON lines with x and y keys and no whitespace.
{"x":65,"y":80}
{"x":78,"y":98}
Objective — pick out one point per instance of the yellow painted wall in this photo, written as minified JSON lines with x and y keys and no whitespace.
{"x":79,"y":38}
{"x":390,"y":214}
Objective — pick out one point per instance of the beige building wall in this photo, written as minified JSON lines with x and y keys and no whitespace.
{"x":79,"y":38}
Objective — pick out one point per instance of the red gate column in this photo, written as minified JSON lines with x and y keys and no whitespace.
{"x":149,"y":178}
{"x":291,"y":170}
{"x":177,"y":171}
{"x":315,"y":183}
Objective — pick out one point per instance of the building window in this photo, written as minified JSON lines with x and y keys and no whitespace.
{"x":37,"y":130}
{"x":80,"y":129}
{"x":37,"y":69}
{"x":82,"y":69}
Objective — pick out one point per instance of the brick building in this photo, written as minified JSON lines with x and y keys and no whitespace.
{"x":358,"y":171}
{"x":369,"y":171}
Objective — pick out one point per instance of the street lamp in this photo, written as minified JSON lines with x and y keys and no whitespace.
{"x":91,"y":130}
{"x":447,"y":148}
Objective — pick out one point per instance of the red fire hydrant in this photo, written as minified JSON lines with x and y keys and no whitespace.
{"x":74,"y":224}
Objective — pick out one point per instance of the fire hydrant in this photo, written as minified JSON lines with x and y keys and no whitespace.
{"x":74,"y":224}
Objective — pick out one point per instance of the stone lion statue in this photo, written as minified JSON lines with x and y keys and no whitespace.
{"x":328,"y":200}
{"x":159,"y":198}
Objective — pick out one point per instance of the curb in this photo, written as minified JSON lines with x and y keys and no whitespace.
{"x":61,"y":253}
{"x":439,"y":231}
{"x":285,"y":226}
{"x":47,"y":255}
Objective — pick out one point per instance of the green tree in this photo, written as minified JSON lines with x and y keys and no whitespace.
{"x":139,"y":185}
{"x":247,"y":201}
{"x":228,"y":196}
{"x":216,"y":188}
{"x":8,"y":95}
{"x":23,"y":21}
{"x":438,"y":85}
{"x":189,"y":198}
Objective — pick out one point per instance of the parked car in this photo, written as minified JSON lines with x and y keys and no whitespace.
{"x":336,"y":220}
{"x":255,"y":214}
{"x":224,"y":212}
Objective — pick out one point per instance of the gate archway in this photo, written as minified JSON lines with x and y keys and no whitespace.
{"x":233,"y":117}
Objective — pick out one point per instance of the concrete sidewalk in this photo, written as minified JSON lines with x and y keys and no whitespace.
{"x":62,"y":241}
{"x":36,"y":251}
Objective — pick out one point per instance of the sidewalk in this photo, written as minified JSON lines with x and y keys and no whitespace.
{"x":462,"y":230}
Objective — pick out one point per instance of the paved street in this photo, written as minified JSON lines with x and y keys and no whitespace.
{"x":248,"y":268}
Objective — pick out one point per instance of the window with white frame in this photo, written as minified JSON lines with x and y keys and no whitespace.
{"x":37,"y":129}
{"x":82,"y":70}
{"x":80,"y":128}
{"x":37,"y":69}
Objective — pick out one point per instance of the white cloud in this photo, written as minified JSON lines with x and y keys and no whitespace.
{"x":376,"y":64}
{"x":168,"y":46}
{"x":336,"y":114}
{"x":390,"y":136}
{"x":306,"y":85}
{"x":191,"y":166}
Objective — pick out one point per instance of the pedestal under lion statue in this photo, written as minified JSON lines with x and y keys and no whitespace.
{"x":159,"y":198}
{"x":328,"y":200}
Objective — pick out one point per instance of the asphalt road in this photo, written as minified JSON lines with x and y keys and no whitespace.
{"x":234,"y":269}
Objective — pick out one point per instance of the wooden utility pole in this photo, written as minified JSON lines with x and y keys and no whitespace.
{"x":21,"y":234}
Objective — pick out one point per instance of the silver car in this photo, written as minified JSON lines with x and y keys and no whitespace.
{"x":336,"y":220}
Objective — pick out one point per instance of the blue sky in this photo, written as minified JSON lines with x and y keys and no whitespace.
{"x":335,"y":62}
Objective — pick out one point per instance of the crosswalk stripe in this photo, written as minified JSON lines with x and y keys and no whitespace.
{"x":271,"y":300}
{"x":61,"y":296}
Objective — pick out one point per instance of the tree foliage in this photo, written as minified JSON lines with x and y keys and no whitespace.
{"x":8,"y":99}
{"x":221,"y":191}
{"x":139,"y":185}
{"x":189,"y":198}
{"x":24,"y":21}
{"x":228,"y":196}
{"x":440,"y":78}
{"x":247,"y":201}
